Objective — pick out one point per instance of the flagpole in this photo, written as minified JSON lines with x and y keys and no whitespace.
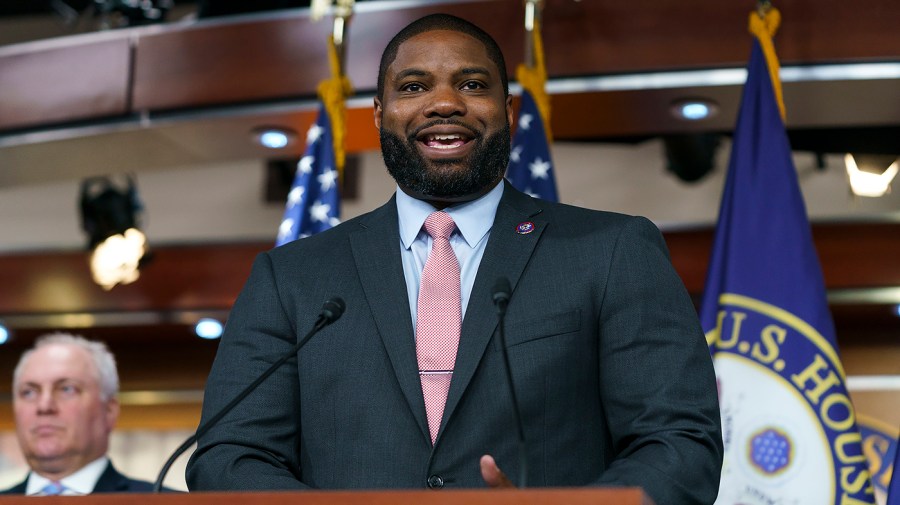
{"x":532,"y":15}
{"x":763,"y":7}
{"x":532,"y":73}
{"x":334,"y":91}
{"x":343,"y":12}
{"x":313,"y":203}
{"x":530,"y":166}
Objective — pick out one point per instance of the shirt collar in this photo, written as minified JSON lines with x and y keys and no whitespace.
{"x":473,"y":219}
{"x":81,"y":482}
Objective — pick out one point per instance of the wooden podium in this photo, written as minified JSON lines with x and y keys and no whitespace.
{"x":580,"y":496}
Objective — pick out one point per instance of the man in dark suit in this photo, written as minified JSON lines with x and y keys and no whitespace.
{"x":64,"y":398}
{"x":611,"y":370}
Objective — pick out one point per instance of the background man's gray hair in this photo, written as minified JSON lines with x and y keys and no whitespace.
{"x":103,"y":359}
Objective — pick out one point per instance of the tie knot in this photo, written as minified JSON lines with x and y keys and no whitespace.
{"x":53,"y":488}
{"x":439,"y":225}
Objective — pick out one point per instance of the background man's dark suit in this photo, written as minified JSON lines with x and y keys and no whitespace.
{"x":613,"y":373}
{"x":111,"y":481}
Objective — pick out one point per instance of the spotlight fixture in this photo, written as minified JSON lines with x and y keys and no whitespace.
{"x":122,"y":13}
{"x":690,"y":156}
{"x":866,"y":176}
{"x":274,"y":137}
{"x":4,"y":333}
{"x":694,"y":109}
{"x":208,"y":328}
{"x":109,"y":216}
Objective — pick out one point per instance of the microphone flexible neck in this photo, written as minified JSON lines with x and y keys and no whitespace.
{"x":325,"y":318}
{"x":501,"y":297}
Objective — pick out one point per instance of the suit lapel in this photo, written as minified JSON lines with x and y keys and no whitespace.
{"x":110,"y":481}
{"x":376,"y":251}
{"x":506,"y":255}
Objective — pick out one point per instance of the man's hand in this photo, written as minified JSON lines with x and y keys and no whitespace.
{"x":492,"y":475}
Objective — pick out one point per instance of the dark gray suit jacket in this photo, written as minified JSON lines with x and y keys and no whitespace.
{"x":110,"y":481}
{"x":613,"y":375}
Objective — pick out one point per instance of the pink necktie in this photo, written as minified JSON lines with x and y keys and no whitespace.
{"x":439,"y":319}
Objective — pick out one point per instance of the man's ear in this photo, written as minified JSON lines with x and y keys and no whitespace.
{"x":509,"y":110}
{"x":378,"y":111}
{"x":112,"y":412}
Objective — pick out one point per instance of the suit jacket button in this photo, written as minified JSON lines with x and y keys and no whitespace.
{"x":435,"y":482}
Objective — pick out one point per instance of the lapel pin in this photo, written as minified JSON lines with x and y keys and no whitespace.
{"x":525,"y":228}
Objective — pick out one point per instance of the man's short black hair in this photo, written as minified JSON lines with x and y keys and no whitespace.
{"x":441,"y":22}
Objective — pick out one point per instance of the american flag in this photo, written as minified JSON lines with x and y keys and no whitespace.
{"x":530,"y":167}
{"x":313,"y":204}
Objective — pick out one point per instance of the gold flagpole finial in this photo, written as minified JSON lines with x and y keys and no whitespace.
{"x":763,"y":25}
{"x":318,"y":9}
{"x":763,"y":7}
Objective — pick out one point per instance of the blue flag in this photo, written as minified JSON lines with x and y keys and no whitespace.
{"x":789,"y":428}
{"x":881,"y":440}
{"x":313,"y":204}
{"x":530,"y":167}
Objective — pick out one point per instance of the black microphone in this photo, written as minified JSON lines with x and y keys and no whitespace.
{"x":500,"y":296}
{"x":331,"y":311}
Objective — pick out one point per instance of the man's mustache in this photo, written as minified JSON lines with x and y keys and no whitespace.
{"x":455,"y":122}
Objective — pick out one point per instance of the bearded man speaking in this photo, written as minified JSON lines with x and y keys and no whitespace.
{"x":408,"y":389}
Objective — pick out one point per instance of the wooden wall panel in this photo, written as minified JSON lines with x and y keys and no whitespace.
{"x":63,"y":82}
{"x":613,"y":37}
{"x":209,"y":277}
{"x":177,"y":278}
{"x":853,"y":255}
{"x":281,"y":56}
{"x":223,"y":63}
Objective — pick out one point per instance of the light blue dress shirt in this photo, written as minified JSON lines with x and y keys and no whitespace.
{"x":81,"y":482}
{"x":473,"y":227}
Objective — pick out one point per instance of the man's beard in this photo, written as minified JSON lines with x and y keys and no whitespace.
{"x":442,"y":178}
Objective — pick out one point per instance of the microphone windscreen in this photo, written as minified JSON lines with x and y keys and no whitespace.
{"x":333,"y":309}
{"x":501,"y":290}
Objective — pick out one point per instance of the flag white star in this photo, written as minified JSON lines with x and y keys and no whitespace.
{"x":313,"y":134}
{"x":327,"y":179}
{"x":539,"y":168}
{"x":319,"y":212}
{"x":532,"y":194}
{"x":525,"y":121}
{"x":334,"y":221}
{"x":295,"y":196}
{"x":284,"y":229}
{"x":516,"y":154}
{"x":305,"y":164}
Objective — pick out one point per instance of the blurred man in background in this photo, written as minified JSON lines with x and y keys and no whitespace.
{"x":64,"y":398}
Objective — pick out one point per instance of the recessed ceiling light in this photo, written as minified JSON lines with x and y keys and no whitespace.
{"x":694,"y":109}
{"x":274,"y":137}
{"x":208,"y":328}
